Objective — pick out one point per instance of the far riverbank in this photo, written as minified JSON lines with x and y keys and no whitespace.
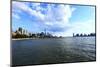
{"x":45,"y":38}
{"x":33,"y":38}
{"x":22,"y":38}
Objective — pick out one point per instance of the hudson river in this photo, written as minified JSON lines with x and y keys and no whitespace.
{"x":53,"y":50}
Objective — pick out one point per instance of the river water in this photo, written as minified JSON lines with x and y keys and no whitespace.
{"x":53,"y":50}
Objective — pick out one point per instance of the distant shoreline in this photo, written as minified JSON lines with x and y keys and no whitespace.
{"x":22,"y":38}
{"x":38,"y":38}
{"x":32,"y":38}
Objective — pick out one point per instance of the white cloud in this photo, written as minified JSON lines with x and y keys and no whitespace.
{"x":24,"y":7}
{"x":58,"y":16}
{"x":16,"y":16}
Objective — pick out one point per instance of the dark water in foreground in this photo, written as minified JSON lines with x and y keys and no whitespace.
{"x":47,"y":51}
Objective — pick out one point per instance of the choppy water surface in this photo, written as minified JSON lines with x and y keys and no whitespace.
{"x":57,"y":50}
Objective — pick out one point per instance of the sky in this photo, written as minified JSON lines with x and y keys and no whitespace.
{"x":57,"y":19}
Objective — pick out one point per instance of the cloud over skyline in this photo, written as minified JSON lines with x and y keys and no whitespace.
{"x":55,"y":18}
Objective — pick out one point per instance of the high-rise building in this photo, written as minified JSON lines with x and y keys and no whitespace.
{"x":20,"y":30}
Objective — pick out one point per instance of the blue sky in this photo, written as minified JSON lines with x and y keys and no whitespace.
{"x":57,"y":19}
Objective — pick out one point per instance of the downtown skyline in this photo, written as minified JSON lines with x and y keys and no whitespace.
{"x":57,"y":19}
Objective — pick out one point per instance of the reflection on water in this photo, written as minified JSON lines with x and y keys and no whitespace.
{"x":61,"y":50}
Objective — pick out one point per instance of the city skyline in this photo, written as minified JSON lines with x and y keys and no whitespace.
{"x":22,"y":33}
{"x":58,"y":19}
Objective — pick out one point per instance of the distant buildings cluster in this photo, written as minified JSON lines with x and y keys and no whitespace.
{"x":84,"y":35}
{"x":22,"y":33}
